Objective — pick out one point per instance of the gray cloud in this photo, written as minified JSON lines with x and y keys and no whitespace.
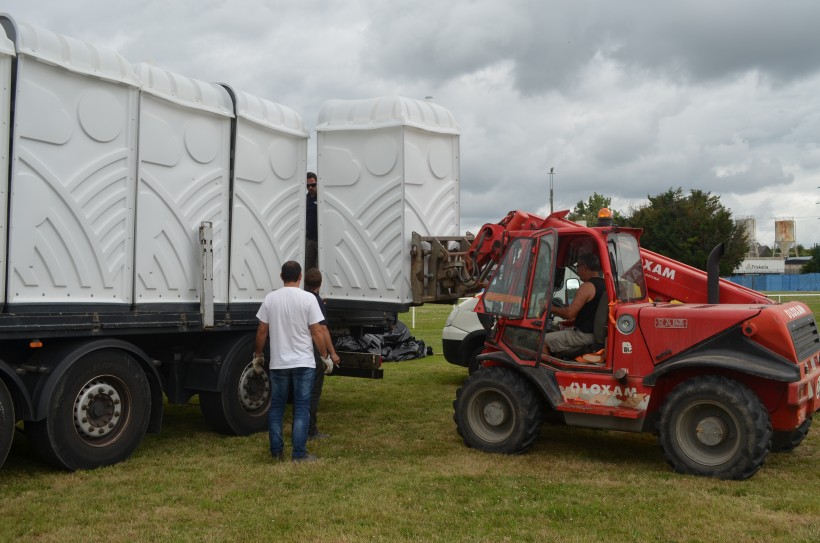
{"x":551,"y":43}
{"x":625,"y":99}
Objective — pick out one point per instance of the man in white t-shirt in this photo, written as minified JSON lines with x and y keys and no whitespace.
{"x":291,"y":316}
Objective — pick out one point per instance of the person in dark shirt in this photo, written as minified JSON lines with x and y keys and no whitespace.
{"x":582,"y":308}
{"x":311,"y":224}
{"x":313,"y":281}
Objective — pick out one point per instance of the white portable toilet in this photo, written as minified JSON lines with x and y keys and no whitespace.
{"x":387,"y":167}
{"x":72,"y":172}
{"x":184,"y":180}
{"x":6,"y":59}
{"x":268,"y":203}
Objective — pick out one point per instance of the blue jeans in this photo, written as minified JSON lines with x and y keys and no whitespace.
{"x":280,"y":381}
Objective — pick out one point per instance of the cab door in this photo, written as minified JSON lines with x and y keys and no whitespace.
{"x":519,"y":294}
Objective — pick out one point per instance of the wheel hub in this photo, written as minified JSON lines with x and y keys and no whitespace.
{"x":711,"y":431}
{"x":495,"y":413}
{"x":254,"y":389}
{"x":97,"y":409}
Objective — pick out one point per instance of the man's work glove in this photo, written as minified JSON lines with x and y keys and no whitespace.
{"x":258,"y":364}
{"x":328,"y":364}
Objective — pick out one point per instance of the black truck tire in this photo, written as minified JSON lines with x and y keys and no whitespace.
{"x":497,"y":410}
{"x":7,"y":422}
{"x":241,"y":408}
{"x":788,"y":441}
{"x":97,"y":414}
{"x":715,"y":427}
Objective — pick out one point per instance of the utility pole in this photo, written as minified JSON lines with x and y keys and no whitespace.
{"x":552,"y":172}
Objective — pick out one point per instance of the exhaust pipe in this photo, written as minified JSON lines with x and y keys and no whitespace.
{"x":713,"y":274}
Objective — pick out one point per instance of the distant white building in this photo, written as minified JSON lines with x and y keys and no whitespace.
{"x":755,"y":266}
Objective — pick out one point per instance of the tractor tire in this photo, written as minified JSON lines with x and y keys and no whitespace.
{"x":97,"y":415}
{"x":241,"y":408}
{"x":715,"y":427}
{"x":472,"y":363}
{"x":497,"y":410}
{"x":7,"y":422}
{"x":788,"y":441}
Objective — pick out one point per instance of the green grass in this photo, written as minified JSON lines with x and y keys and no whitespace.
{"x":394,"y":469}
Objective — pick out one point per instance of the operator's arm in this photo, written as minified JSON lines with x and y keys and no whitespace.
{"x":261,"y":337}
{"x":329,"y":345}
{"x":316,"y":332}
{"x":584,"y":295}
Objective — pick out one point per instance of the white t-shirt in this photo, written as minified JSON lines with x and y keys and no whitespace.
{"x":289,"y":312}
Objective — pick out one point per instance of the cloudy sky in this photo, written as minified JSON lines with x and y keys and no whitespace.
{"x":623,"y":98}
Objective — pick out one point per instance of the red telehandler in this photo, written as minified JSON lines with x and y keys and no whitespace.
{"x":720,"y":373}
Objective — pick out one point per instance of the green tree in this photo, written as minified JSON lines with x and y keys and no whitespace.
{"x":813,"y":265}
{"x":688,"y":227}
{"x":803,"y":251}
{"x":589,"y":211}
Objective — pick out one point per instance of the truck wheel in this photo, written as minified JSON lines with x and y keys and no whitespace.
{"x":97,"y":415}
{"x":788,"y":441}
{"x":242,"y":406}
{"x":716,"y":427}
{"x":496,"y":410}
{"x":7,"y":421}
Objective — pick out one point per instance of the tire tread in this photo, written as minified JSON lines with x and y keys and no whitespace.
{"x":528,"y":404}
{"x":738,"y":397}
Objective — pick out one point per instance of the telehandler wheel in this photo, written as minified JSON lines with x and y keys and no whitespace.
{"x":472,"y":363}
{"x":497,"y":410}
{"x":242,"y":406}
{"x":97,"y":415}
{"x":7,"y":421}
{"x":716,"y":427}
{"x":788,"y":441}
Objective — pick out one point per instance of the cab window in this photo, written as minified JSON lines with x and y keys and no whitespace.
{"x":539,"y":295}
{"x":625,"y":256}
{"x":504,"y":296}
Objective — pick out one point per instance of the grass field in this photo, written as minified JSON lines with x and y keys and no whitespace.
{"x":394,"y":469}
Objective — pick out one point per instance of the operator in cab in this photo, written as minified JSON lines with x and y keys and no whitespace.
{"x":582,"y":309}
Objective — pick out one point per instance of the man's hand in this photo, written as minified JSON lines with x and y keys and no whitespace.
{"x":258,"y":364}
{"x":328,"y":362}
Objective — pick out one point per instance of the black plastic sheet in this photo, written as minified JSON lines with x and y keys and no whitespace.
{"x":394,"y":345}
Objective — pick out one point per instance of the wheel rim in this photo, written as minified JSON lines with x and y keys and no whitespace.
{"x":491,"y":415}
{"x":101,"y":410}
{"x":254,"y":390}
{"x":708,"y":433}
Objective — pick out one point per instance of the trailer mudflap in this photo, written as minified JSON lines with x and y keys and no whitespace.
{"x":364,"y":365}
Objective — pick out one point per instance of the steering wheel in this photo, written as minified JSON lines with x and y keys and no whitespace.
{"x":558,"y":302}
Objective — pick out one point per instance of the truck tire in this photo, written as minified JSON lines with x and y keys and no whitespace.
{"x":7,"y":422}
{"x":715,"y":427}
{"x":497,"y":410}
{"x":241,"y":408}
{"x":97,"y":414}
{"x":788,"y":441}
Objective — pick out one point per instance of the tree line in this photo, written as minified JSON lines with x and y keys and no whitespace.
{"x":682,"y":226}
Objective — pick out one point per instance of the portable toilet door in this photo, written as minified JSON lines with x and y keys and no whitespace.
{"x":73,"y":166}
{"x":268,"y":199}
{"x":387,"y":167}
{"x":184,"y":180}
